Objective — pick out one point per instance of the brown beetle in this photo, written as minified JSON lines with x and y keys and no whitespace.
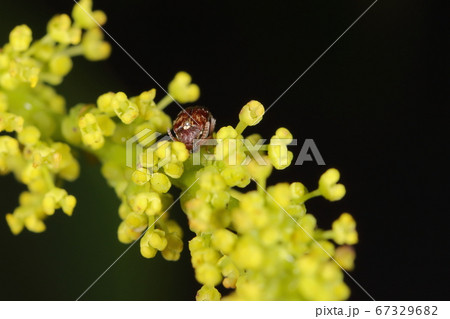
{"x":193,"y":125}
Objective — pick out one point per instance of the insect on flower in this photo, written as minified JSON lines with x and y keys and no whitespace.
{"x":192,"y":126}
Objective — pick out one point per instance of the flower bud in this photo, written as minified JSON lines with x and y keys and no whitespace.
{"x":84,"y":16}
{"x":29,"y":136}
{"x":182,"y":90}
{"x":328,"y":187}
{"x":160,"y":182}
{"x":15,"y":224}
{"x":60,"y":30}
{"x":252,"y":113}
{"x":208,"y":293}
{"x":344,"y":230}
{"x":126,"y":110}
{"x":91,"y":134}
{"x":60,"y":65}
{"x":94,"y":48}
{"x":20,"y":38}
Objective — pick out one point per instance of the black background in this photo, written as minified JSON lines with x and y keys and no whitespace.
{"x":375,"y":104}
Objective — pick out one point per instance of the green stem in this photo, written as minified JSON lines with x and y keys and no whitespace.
{"x":264,"y":148}
{"x":236,"y":194}
{"x":164,"y":102}
{"x":50,"y":78}
{"x":261,"y":186}
{"x":241,"y":127}
{"x":310,"y":195}
{"x":72,"y":51}
{"x":48,"y":178}
{"x":327,"y":234}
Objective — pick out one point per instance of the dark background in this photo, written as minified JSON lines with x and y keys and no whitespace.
{"x":375,"y":105}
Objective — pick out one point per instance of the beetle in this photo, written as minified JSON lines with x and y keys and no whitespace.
{"x":191,"y":126}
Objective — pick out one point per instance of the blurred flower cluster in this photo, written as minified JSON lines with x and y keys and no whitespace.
{"x":261,"y":243}
{"x":31,"y":112}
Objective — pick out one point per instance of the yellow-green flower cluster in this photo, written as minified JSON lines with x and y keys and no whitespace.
{"x":31,"y":113}
{"x":262,"y":243}
{"x":104,"y":129}
{"x":49,"y":59}
{"x":38,"y":164}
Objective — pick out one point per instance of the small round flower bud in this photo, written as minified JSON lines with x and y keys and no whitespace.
{"x":247,"y":254}
{"x":34,"y":224}
{"x":148,"y":158}
{"x":173,"y":227}
{"x":29,"y":136}
{"x":226,"y":132}
{"x":154,"y":204}
{"x":208,"y":293}
{"x":182,"y":90}
{"x":208,"y":274}
{"x":160,"y":183}
{"x":15,"y":224}
{"x":280,"y":195}
{"x":174,"y":170}
{"x":220,"y":199}
{"x":229,"y":271}
{"x":236,"y":176}
{"x":140,"y":177}
{"x":84,"y":16}
{"x":345,"y":257}
{"x":139,"y":202}
{"x":260,"y":171}
{"x":99,"y":16}
{"x":180,"y":151}
{"x":279,"y":155}
{"x":60,"y":30}
{"x":124,"y":108}
{"x":68,"y":204}
{"x":91,"y":134}
{"x":328,"y":187}
{"x":127,"y":235}
{"x":94,"y":48}
{"x":10,"y":122}
{"x":163,"y":151}
{"x":104,"y":103}
{"x":58,"y":198}
{"x":49,"y":204}
{"x":284,"y":135}
{"x":157,"y":239}
{"x":344,"y":230}
{"x":224,"y":240}
{"x":147,"y":251}
{"x":60,"y":65}
{"x":297,"y":190}
{"x":136,"y":221}
{"x":173,"y":249}
{"x":252,"y":113}
{"x":20,"y":38}
{"x":146,"y":104}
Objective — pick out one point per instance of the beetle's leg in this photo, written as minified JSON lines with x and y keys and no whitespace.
{"x":173,"y":138}
{"x":212,"y":126}
{"x":205,"y":132}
